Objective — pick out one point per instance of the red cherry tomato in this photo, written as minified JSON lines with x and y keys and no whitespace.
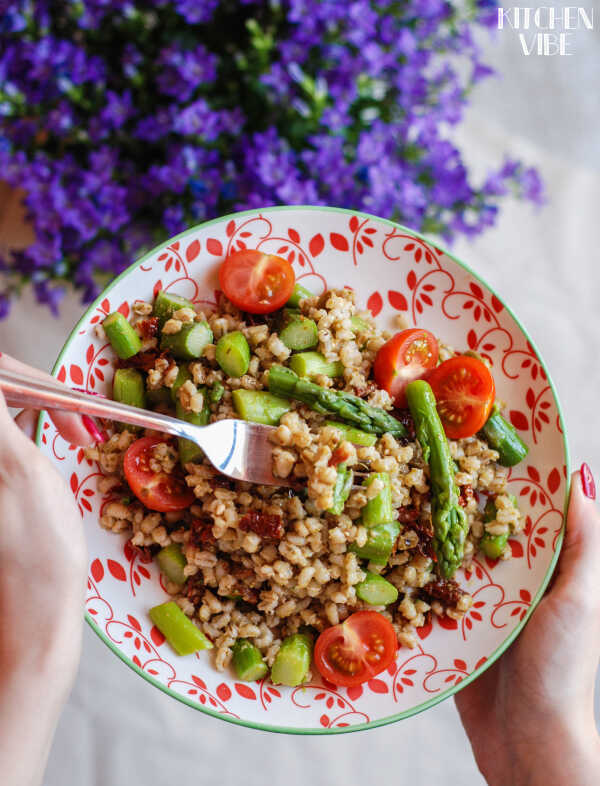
{"x":256,"y":282}
{"x":464,"y":391}
{"x":357,"y":649}
{"x":156,"y":490}
{"x":408,"y":355}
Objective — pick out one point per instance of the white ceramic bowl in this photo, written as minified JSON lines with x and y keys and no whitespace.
{"x":393,"y":271}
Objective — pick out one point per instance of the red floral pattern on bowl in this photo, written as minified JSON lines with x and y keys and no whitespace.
{"x":393,"y":271}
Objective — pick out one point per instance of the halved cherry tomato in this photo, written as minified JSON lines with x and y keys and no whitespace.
{"x":464,"y":392}
{"x":408,"y":355}
{"x":157,"y":490}
{"x":357,"y":649}
{"x":256,"y":282}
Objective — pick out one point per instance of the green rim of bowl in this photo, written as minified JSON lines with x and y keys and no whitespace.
{"x":509,"y":639}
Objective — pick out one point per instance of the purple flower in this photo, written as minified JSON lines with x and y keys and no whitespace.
{"x":183,"y":71}
{"x":198,"y":107}
{"x":196,"y":11}
{"x":117,"y":111}
{"x":5,"y":303}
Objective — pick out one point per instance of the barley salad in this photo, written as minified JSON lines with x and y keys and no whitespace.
{"x":394,"y":445}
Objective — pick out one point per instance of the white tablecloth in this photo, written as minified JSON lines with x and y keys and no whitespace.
{"x":116,"y":729}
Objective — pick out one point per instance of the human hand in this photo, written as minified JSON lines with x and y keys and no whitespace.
{"x":42,"y":583}
{"x":530,"y":716}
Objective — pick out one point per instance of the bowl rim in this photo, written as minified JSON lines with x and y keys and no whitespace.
{"x":542,"y":588}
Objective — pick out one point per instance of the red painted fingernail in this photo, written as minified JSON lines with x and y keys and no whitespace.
{"x":587,"y":481}
{"x":92,"y":429}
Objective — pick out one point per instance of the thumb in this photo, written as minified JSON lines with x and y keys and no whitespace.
{"x":580,"y":557}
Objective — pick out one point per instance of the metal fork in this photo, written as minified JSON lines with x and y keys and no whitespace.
{"x":236,"y":448}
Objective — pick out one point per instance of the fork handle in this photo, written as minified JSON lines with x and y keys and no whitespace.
{"x":37,"y":394}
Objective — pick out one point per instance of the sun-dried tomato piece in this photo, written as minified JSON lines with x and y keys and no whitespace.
{"x":144,"y":553}
{"x":267,"y":525}
{"x":148,"y":327}
{"x":341,"y":454}
{"x":445,"y":590}
{"x":466,"y":493}
{"x":408,"y":514}
{"x":201,"y":535}
{"x":404,"y":416}
{"x":143,"y":360}
{"x":194,"y":589}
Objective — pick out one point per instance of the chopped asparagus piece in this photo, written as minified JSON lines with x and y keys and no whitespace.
{"x":309,"y":364}
{"x":178,"y":630}
{"x":183,"y":374}
{"x":297,"y":295}
{"x":503,"y":437}
{"x":172,"y":562}
{"x":190,"y":342}
{"x":166,"y":303}
{"x":300,"y":333}
{"x":292,"y":662}
{"x":352,"y":409}
{"x":341,"y":490}
{"x":380,"y":543}
{"x":215,"y":393}
{"x":359,"y":325}
{"x":450,"y":525}
{"x":123,"y":338}
{"x":354,"y":435}
{"x":378,"y":509}
{"x":129,"y":387}
{"x":188,"y":450}
{"x":248,"y":662}
{"x":376,"y":591}
{"x":233,"y":354}
{"x":493,"y":545}
{"x":259,"y":406}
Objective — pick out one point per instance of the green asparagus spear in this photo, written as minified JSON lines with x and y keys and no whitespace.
{"x":352,"y":409}
{"x":300,"y":333}
{"x":215,"y":394}
{"x":297,"y":295}
{"x":309,"y":364}
{"x":178,"y":630}
{"x":172,"y":562}
{"x":188,"y":450}
{"x":376,"y":591}
{"x":183,"y":374}
{"x":378,"y":509}
{"x":359,"y":325}
{"x":129,"y":387}
{"x":156,"y":397}
{"x":189,"y":342}
{"x":502,"y":436}
{"x":292,"y":662}
{"x":449,"y":520}
{"x":123,"y":338}
{"x":341,"y":490}
{"x":493,"y":545}
{"x":354,"y":435}
{"x":166,"y":303}
{"x":379,"y":545}
{"x":248,"y":662}
{"x":259,"y":406}
{"x":233,"y":354}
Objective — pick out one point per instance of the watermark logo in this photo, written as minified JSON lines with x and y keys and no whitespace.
{"x":545,"y":30}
